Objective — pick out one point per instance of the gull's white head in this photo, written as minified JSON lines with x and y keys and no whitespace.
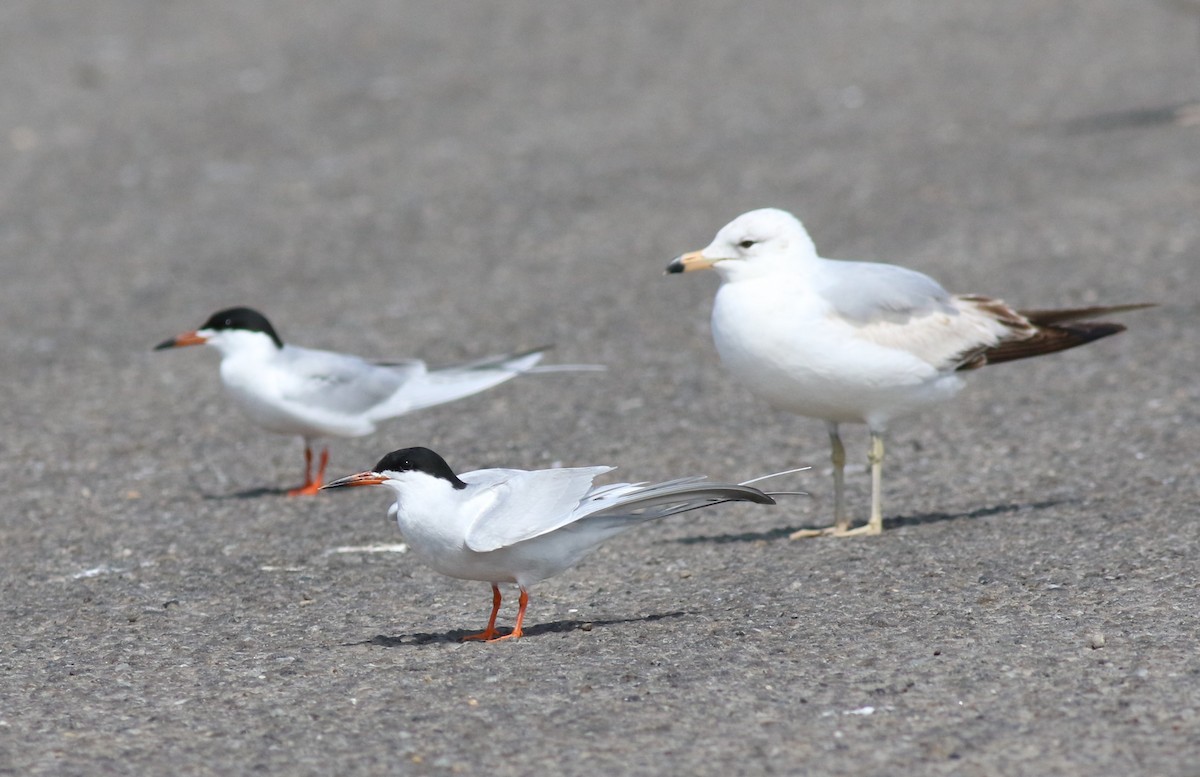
{"x":759,"y":242}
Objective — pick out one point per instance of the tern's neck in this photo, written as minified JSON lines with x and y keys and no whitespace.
{"x":255,"y":346}
{"x":428,"y":505}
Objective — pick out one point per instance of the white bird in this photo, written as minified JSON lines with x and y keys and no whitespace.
{"x":858,"y":342}
{"x":523,"y":526}
{"x":314,"y":394}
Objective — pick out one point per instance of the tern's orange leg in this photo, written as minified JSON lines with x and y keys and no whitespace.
{"x":516,"y":632}
{"x":312,"y":485}
{"x":489,"y":633}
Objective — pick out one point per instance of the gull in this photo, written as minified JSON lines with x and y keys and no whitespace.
{"x":314,"y":394}
{"x":859,"y":342}
{"x":523,"y":526}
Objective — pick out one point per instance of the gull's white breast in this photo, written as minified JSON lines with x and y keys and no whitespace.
{"x":788,"y":345}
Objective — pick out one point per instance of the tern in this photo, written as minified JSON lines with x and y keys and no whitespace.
{"x":523,"y":526}
{"x":315,"y":394}
{"x":859,"y":342}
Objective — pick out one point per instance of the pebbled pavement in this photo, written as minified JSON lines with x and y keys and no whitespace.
{"x":449,"y":180}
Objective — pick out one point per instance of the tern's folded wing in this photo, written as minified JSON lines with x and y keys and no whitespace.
{"x":446,"y":384}
{"x":677,"y":496}
{"x":530,"y":504}
{"x":341,"y":383}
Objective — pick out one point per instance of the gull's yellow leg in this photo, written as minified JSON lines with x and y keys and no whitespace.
{"x":841,"y":528}
{"x":841,"y":519}
{"x":875,"y":524}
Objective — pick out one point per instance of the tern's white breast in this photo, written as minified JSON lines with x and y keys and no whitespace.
{"x":435,"y":523}
{"x":263,"y":389}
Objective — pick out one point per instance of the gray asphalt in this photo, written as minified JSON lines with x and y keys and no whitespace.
{"x":455,"y":179}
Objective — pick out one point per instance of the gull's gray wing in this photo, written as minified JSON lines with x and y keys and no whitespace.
{"x":869,"y":292}
{"x":907,"y":311}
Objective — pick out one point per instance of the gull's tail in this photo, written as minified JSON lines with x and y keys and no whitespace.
{"x":1050,"y":317}
{"x":1049,"y":331}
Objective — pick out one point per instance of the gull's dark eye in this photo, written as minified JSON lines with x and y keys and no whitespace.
{"x":747,"y":244}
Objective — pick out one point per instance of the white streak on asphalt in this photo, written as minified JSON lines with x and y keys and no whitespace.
{"x":103,"y":569}
{"x":379,"y":547}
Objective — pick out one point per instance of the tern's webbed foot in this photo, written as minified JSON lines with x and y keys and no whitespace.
{"x":484,"y":636}
{"x":489,"y":635}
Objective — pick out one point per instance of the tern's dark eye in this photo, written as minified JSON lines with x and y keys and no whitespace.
{"x":747,"y":244}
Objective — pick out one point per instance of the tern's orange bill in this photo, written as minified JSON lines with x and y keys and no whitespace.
{"x":359,"y":479}
{"x":187,"y":338}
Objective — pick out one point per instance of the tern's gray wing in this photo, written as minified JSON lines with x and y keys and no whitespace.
{"x":531,"y":504}
{"x":676,"y":496}
{"x":426,"y":388}
{"x":523,"y":505}
{"x":867,"y":292}
{"x":341,"y":383}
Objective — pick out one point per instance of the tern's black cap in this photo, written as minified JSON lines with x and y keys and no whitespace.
{"x":418,"y":460}
{"x":247,"y":319}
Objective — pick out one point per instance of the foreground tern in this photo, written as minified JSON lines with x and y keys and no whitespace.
{"x":859,"y":342}
{"x":288,"y":389}
{"x":522,"y":526}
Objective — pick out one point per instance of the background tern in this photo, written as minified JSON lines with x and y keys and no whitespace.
{"x":522,"y":526}
{"x":288,"y":389}
{"x":859,"y":341}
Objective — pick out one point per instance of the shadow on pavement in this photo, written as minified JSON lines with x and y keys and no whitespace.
{"x":1182,"y":114}
{"x":980,"y":512}
{"x":250,"y":493}
{"x":552,"y":627}
{"x":888,"y":523}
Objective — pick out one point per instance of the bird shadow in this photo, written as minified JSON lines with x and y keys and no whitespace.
{"x":249,"y":493}
{"x":1182,"y":114}
{"x":551,"y":627}
{"x":888,"y":523}
{"x":979,"y":512}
